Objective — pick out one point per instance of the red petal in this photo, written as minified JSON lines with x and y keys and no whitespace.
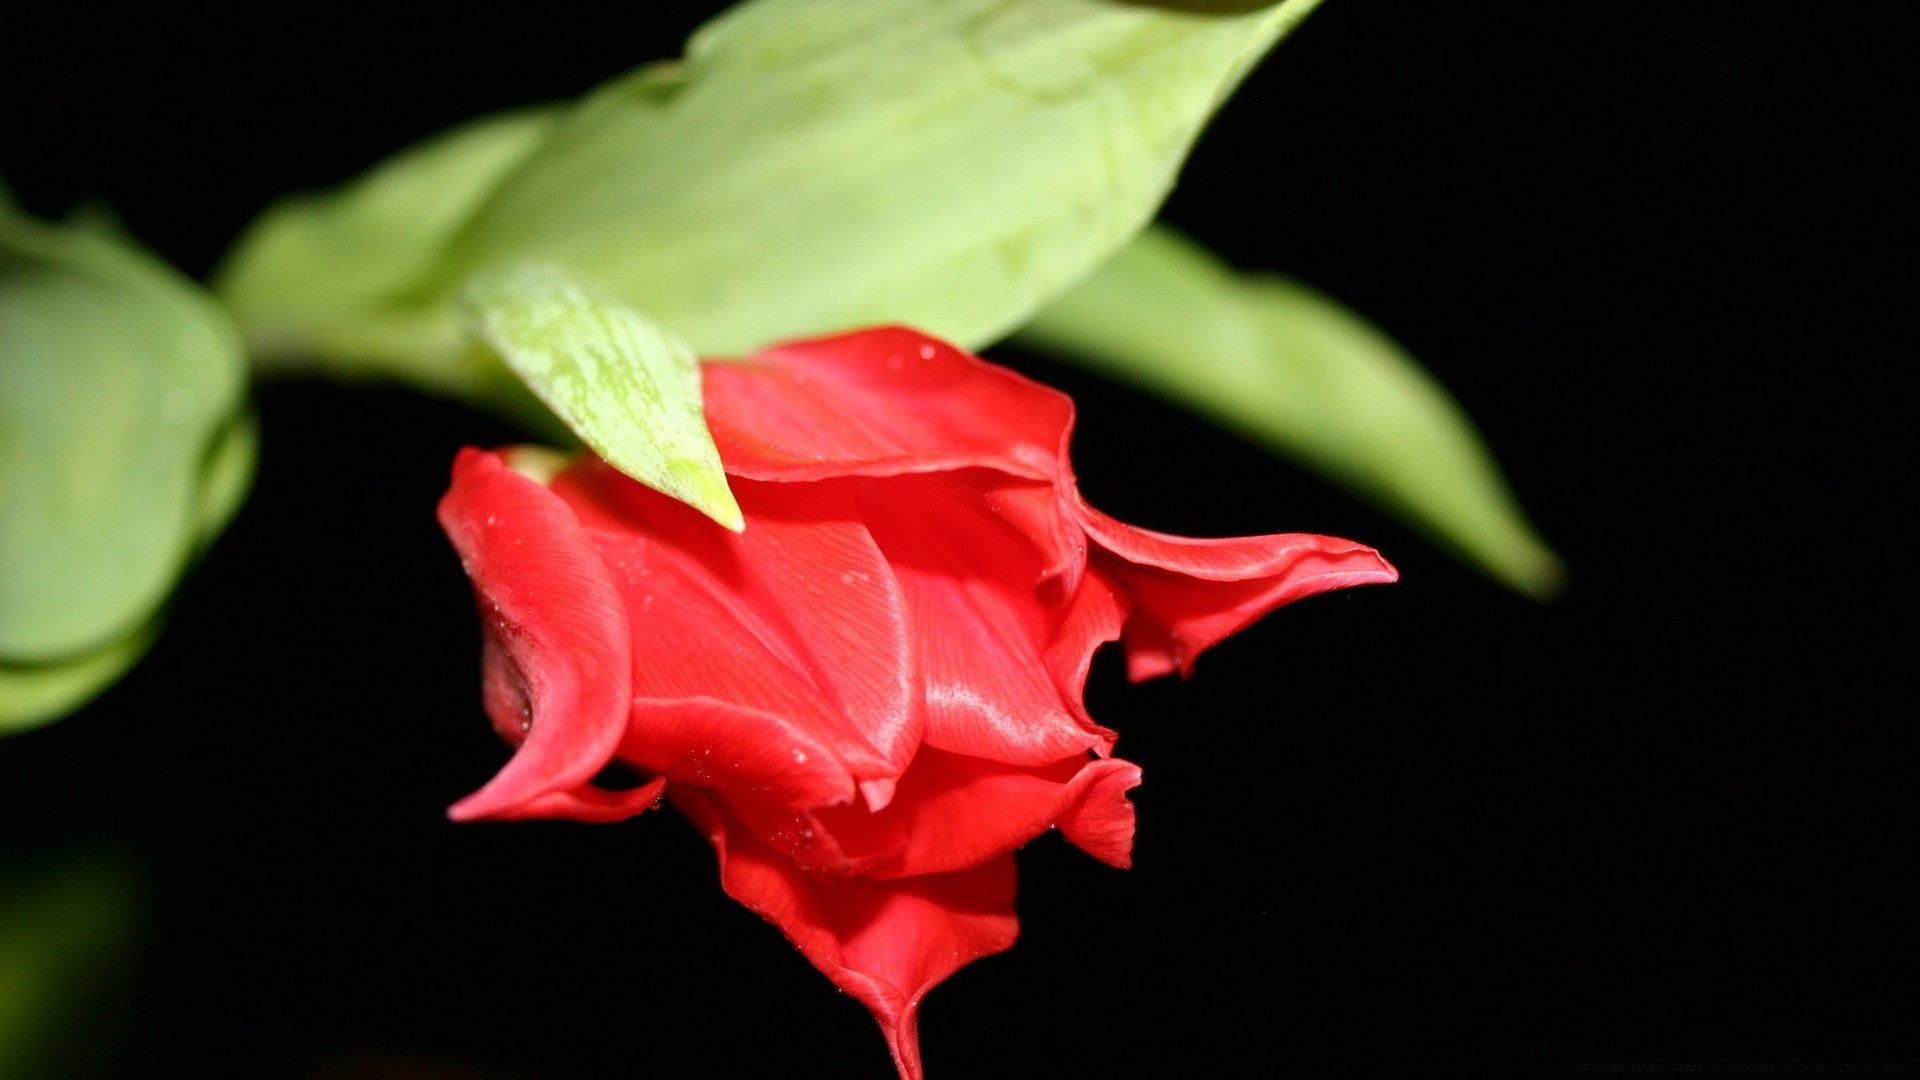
{"x":1033,"y":511}
{"x":880,"y":402}
{"x":884,"y":942}
{"x":778,"y":660}
{"x":890,"y":401}
{"x":953,"y":812}
{"x":839,"y":841}
{"x":1096,"y":813}
{"x":556,"y":631}
{"x":591,"y":804}
{"x":969,"y":577}
{"x":962,"y":811}
{"x":1092,"y":617}
{"x":1185,"y":595}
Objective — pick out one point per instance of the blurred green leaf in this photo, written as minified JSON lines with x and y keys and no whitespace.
{"x":627,"y":387}
{"x":1285,"y":365}
{"x":811,"y":165}
{"x":1212,"y":7}
{"x":321,"y":276}
{"x":61,"y":933}
{"x":815,"y":165}
{"x":227,"y":475}
{"x":103,"y":221}
{"x":120,"y":388}
{"x":35,"y":694}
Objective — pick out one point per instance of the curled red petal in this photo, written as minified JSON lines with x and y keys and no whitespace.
{"x":879,"y":402}
{"x":773,"y":756}
{"x":1184,"y":595}
{"x":891,"y":401}
{"x":970,"y":577}
{"x":953,"y":812}
{"x":1096,"y":814}
{"x":1091,"y":617}
{"x":839,"y":841}
{"x":785,"y":648}
{"x":558,"y":673}
{"x":591,"y":804}
{"x":885,"y":943}
{"x":1033,"y":510}
{"x":959,"y":811}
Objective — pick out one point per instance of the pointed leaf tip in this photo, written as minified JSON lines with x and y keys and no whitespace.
{"x":624,"y":384}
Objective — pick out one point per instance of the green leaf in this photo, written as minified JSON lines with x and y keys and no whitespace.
{"x":812,"y":165}
{"x":1284,"y":365}
{"x":630,"y":389}
{"x":120,"y":384}
{"x":816,"y":165}
{"x":226,"y":476}
{"x":34,"y":695}
{"x":319,"y":277}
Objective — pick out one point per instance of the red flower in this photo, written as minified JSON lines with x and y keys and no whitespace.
{"x":872,"y":696}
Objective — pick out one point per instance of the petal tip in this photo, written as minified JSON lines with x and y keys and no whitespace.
{"x":1100,"y":818}
{"x":472,"y":808}
{"x":499,"y":798}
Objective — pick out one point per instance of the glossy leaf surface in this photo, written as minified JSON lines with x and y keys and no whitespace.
{"x":626,"y":386}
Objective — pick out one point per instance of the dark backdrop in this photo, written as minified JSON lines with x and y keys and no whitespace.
{"x":1646,"y":243}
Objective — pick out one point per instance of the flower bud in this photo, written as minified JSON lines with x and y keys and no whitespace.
{"x":124,"y":447}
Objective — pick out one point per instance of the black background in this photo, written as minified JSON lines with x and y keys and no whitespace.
{"x":1648,"y":244}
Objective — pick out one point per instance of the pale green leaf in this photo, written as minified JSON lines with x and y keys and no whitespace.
{"x":1291,"y":368}
{"x":627,"y":387}
{"x":227,"y":475}
{"x":812,"y":165}
{"x":34,"y":695}
{"x":118,"y":379}
{"x":815,"y":165}
{"x":316,"y":277}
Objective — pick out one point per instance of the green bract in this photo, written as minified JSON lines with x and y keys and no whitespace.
{"x":331,"y":279}
{"x":122,"y":448}
{"x":812,"y":165}
{"x":818,"y":165}
{"x":628,"y":388}
{"x":1300,"y":373}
